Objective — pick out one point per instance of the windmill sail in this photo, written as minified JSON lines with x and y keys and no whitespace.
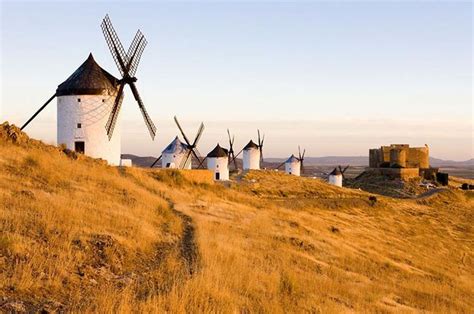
{"x":127,"y":64}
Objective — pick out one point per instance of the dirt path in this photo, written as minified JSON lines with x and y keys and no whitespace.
{"x":189,"y":250}
{"x":429,"y":193}
{"x":188,"y":245}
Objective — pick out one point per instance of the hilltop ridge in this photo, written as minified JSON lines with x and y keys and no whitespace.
{"x":79,"y":235}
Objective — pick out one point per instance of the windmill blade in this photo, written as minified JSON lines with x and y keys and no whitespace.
{"x":184,"y":161}
{"x":199,"y":155}
{"x":234,"y":161}
{"x":37,"y":112}
{"x":231,"y":149}
{"x":198,"y":135}
{"x":239,"y":153}
{"x":196,"y":155}
{"x":231,"y":142}
{"x":302,"y":156}
{"x":202,"y":162}
{"x":182,"y":132}
{"x":281,"y":164}
{"x":136,"y":52}
{"x":342,"y":173}
{"x":135,"y":42}
{"x":154,"y":163}
{"x":149,"y":123}
{"x":299,"y":152}
{"x":115,"y":46}
{"x":110,"y":126}
{"x":235,"y":157}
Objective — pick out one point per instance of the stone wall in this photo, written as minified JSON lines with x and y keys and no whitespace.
{"x":399,"y":155}
{"x":400,"y":173}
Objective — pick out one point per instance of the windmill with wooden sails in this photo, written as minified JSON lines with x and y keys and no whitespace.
{"x":90,"y":99}
{"x":294,"y":165}
{"x":178,"y":154}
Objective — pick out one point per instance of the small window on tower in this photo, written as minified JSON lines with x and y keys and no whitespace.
{"x":103,"y":100}
{"x":79,"y":125}
{"x":78,"y":100}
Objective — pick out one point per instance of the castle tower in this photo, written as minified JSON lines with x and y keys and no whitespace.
{"x":293,"y":166}
{"x":218,"y":161}
{"x":251,"y":156}
{"x":84,"y":104}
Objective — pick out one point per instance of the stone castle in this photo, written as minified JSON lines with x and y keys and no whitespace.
{"x":401,"y":160}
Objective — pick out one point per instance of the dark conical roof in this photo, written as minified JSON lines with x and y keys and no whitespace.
{"x":218,"y":152}
{"x":89,"y":79}
{"x":250,"y":145}
{"x":336,"y":172}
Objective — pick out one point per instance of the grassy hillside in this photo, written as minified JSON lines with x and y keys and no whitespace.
{"x":80,"y":235}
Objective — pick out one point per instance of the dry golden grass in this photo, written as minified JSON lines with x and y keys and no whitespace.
{"x":83,"y":236}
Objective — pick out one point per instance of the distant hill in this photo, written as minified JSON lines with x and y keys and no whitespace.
{"x":330,"y":160}
{"x":435,"y":162}
{"x":146,"y":161}
{"x":326,"y":160}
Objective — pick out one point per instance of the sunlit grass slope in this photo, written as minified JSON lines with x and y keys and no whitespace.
{"x":79,"y":235}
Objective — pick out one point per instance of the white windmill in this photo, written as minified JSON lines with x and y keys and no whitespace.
{"x":294,"y":165}
{"x":90,"y":100}
{"x":336,"y":176}
{"x":174,"y":155}
{"x":218,"y":162}
{"x":253,"y":154}
{"x":178,"y":154}
{"x":84,"y":103}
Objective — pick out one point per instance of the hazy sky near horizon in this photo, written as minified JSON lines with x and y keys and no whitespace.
{"x":334,"y":77}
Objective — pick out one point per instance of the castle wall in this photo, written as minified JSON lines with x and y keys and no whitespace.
{"x":398,"y":157}
{"x":374,"y":157}
{"x":401,"y":155}
{"x":400,"y":173}
{"x":418,"y":157}
{"x":385,"y":154}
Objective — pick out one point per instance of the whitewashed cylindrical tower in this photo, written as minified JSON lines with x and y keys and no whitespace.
{"x":251,"y":156}
{"x":218,"y":161}
{"x":85,"y":101}
{"x":293,"y":166}
{"x":335,"y":177}
{"x":175,"y":154}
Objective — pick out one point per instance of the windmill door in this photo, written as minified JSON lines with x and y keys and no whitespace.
{"x":79,"y":147}
{"x":218,"y":176}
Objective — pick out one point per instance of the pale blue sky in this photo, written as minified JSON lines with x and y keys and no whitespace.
{"x":335,"y":77}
